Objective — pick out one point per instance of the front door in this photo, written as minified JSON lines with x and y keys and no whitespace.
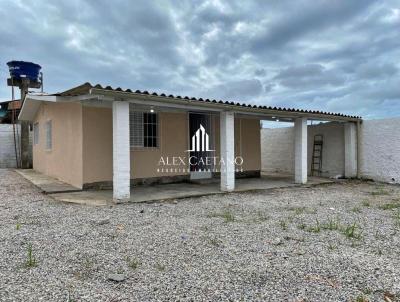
{"x":201,"y":145}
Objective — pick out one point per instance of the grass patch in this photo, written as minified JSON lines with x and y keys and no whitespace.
{"x":367,"y":291}
{"x":352,"y":231}
{"x":301,"y":226}
{"x":87,"y":268}
{"x":31,"y":259}
{"x":258,"y":217}
{"x":315,"y":228}
{"x":390,"y":205}
{"x":356,"y":210}
{"x":133,"y":263}
{"x":301,"y":210}
{"x":361,"y":298}
{"x":379,"y":191}
{"x":261,"y":217}
{"x":332,"y":247}
{"x":331,"y":225}
{"x":366,"y":203}
{"x":227,"y":215}
{"x":297,"y":210}
{"x":215,"y":242}
{"x":396,"y":218}
{"x":283,"y":224}
{"x":160,"y":267}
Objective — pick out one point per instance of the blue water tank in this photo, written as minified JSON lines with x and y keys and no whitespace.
{"x":21,"y":69}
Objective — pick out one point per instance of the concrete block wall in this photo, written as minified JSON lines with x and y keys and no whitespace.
{"x":379,"y":158}
{"x":7,"y":149}
{"x":277,"y":149}
{"x":333,"y":148}
{"x":380,"y":150}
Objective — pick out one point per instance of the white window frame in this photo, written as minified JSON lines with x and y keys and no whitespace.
{"x":36,"y":133}
{"x":49,"y":135}
{"x":137,"y":127}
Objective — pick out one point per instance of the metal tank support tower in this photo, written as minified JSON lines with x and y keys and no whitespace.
{"x":24,"y":75}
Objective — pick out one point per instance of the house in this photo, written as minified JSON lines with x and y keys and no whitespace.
{"x":95,"y":137}
{"x":9,"y":111}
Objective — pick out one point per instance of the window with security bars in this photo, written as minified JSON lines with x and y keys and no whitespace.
{"x":143,"y":129}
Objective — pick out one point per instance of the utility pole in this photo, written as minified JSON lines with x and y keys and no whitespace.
{"x":25,"y":158}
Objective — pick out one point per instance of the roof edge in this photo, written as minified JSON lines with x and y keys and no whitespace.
{"x":87,"y":88}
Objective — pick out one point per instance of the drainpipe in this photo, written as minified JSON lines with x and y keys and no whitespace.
{"x":359,"y":150}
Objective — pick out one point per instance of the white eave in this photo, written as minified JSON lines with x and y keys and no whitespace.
{"x":32,"y":103}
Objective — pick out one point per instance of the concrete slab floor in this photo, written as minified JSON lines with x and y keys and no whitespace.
{"x":162,"y":192}
{"x":46,"y":183}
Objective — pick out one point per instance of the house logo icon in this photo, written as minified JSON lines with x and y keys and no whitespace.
{"x":200,"y":141}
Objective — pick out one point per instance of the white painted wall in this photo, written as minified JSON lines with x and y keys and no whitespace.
{"x":7,"y":149}
{"x":380,"y":149}
{"x":332,"y":150}
{"x":277,"y":149}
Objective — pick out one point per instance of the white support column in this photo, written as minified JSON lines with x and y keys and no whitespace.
{"x":121,"y":152}
{"x":350,"y":150}
{"x":227,"y":133}
{"x":300,"y":151}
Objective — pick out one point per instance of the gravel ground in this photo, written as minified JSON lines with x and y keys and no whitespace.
{"x":336,"y":242}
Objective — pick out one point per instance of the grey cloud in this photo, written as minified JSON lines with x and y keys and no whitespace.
{"x":300,"y":71}
{"x":304,"y":19}
{"x":376,"y":71}
{"x":243,"y":89}
{"x":260,"y":72}
{"x":311,"y":75}
{"x":268,"y":87}
{"x":326,"y":55}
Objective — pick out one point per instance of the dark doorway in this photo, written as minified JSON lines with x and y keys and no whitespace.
{"x":201,"y":145}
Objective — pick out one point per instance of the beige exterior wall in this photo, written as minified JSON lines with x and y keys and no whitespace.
{"x":173,"y":141}
{"x":82,"y":144}
{"x":247,"y":141}
{"x":97,"y":145}
{"x":64,"y":160}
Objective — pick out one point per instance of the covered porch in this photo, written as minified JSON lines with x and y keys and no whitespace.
{"x":161,"y":192}
{"x":102,"y":153}
{"x":123,"y":191}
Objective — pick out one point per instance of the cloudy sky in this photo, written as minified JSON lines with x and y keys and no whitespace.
{"x":337,"y":56}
